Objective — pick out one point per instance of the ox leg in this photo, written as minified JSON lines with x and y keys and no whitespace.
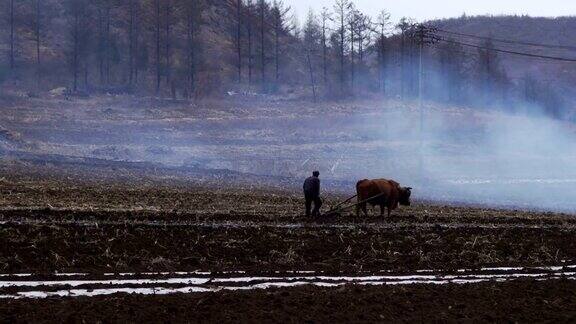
{"x":382,"y":207}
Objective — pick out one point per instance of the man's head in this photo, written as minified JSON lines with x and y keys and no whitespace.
{"x":316,"y":174}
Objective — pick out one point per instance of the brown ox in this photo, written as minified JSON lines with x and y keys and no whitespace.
{"x":382,"y":192}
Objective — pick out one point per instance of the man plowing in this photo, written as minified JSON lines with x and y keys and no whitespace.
{"x":312,"y":194}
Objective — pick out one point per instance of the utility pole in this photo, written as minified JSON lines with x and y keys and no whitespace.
{"x":424,"y":36}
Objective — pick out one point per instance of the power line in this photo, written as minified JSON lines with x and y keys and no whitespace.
{"x":555,"y":58}
{"x":470,"y":51}
{"x":507,"y":41}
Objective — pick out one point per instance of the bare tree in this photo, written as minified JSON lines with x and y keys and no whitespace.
{"x":132,"y":40}
{"x":405,"y":25}
{"x":76,"y":41}
{"x":108,"y":18}
{"x":262,"y":9}
{"x":279,"y":14}
{"x":168,"y":46}
{"x":489,"y":73}
{"x":353,"y":18}
{"x":77,"y":11}
{"x":104,"y":40}
{"x":249,"y":23}
{"x":37,"y":25}
{"x":312,"y":39}
{"x":239,"y":38}
{"x":12,"y":31}
{"x":311,"y":69}
{"x":382,"y":24}
{"x":158,"y":54}
{"x":341,"y":8}
{"x":363,"y":34}
{"x":452,"y":60}
{"x":194,"y":20}
{"x":101,"y":51}
{"x":325,"y":16}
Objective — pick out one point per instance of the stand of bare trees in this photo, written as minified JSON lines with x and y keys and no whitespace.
{"x":192,"y":48}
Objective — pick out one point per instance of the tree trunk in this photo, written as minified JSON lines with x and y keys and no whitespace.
{"x":312,"y":82}
{"x":403,"y":65}
{"x":342,"y":31}
{"x":250,"y":63}
{"x":277,"y":47}
{"x":379,"y":61}
{"x":352,"y":58}
{"x":382,"y":63}
{"x":101,"y":44}
{"x":86,"y":74}
{"x":38,"y":59}
{"x":131,"y":42}
{"x":158,"y":62}
{"x":136,"y":48}
{"x":168,"y":42}
{"x":239,"y":38}
{"x":324,"y":54}
{"x":76,"y":41}
{"x":262,"y":49}
{"x":107,"y":47}
{"x":12,"y":27}
{"x":191,"y":48}
{"x":361,"y":47}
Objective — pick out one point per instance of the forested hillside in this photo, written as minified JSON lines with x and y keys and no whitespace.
{"x":535,"y":77}
{"x":117,"y":45}
{"x":200,"y":48}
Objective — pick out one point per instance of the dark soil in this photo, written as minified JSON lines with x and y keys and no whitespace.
{"x":94,"y":224}
{"x":72,"y":247}
{"x":518,"y":301}
{"x":74,"y":221}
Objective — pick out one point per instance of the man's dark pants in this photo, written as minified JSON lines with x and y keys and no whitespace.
{"x":317,"y":204}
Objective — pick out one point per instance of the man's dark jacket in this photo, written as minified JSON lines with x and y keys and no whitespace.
{"x":312,"y":187}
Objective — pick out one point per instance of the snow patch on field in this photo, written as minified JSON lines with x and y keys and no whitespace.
{"x":230,"y":281}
